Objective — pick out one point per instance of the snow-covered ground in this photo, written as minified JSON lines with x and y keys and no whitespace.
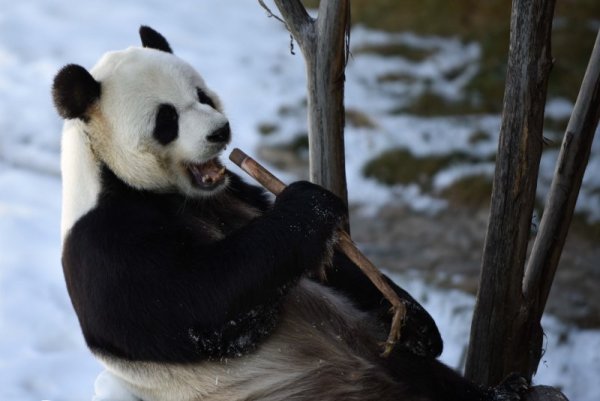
{"x":245,"y":57}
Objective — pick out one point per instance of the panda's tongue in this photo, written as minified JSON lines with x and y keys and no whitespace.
{"x":207,"y":174}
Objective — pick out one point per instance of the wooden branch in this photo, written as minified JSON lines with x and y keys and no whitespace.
{"x":571,"y":165}
{"x":271,"y":15}
{"x":498,"y":345}
{"x":298,"y":22}
{"x":345,"y":244}
{"x":326,"y":78}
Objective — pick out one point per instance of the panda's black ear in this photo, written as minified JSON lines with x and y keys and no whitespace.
{"x":74,"y":91}
{"x":154,"y":40}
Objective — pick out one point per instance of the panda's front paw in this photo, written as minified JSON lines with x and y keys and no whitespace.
{"x":512,"y":388}
{"x":315,"y":207}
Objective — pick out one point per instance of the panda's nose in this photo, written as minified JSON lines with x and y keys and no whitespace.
{"x":221,"y":135}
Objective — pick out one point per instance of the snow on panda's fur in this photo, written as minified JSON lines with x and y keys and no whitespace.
{"x":190,"y":284}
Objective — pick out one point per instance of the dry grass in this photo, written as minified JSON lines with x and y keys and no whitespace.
{"x":486,"y":22}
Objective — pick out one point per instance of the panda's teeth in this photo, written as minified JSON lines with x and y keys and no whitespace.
{"x":196,"y":173}
{"x":207,"y":174}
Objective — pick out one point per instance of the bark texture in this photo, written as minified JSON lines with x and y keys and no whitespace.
{"x":323,"y":42}
{"x":498,"y":343}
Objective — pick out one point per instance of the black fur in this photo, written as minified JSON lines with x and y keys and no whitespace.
{"x":154,"y":40}
{"x":207,"y":292}
{"x":74,"y":91}
{"x":220,"y":135}
{"x":166,"y":124}
{"x":204,"y":98}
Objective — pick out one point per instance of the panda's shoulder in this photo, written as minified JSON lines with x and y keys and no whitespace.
{"x":116,"y":226}
{"x":124,"y":219}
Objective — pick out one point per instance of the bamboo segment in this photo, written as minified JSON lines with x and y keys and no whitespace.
{"x":345,"y":244}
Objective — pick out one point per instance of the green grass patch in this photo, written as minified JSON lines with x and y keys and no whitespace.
{"x":299,"y":144}
{"x":430,"y":104}
{"x":289,"y":110}
{"x":266,"y":129}
{"x":397,"y":77}
{"x":472,"y":191}
{"x":581,"y":226}
{"x":556,"y":125}
{"x":401,"y":166}
{"x":358,"y":119}
{"x":395,"y":50}
{"x":478,"y":137}
{"x":310,"y":3}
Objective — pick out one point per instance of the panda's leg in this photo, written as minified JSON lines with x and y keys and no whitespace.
{"x":432,"y":379}
{"x":420,"y":334}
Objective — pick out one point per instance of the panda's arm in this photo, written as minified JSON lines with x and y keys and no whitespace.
{"x":254,"y":262}
{"x":419,"y":333}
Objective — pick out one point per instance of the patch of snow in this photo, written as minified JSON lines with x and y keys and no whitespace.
{"x":559,"y":108}
{"x":454,"y":173}
{"x":107,"y":387}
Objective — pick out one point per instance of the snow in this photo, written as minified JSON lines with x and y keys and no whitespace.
{"x":559,"y":108}
{"x":452,"y":311}
{"x":245,"y":57}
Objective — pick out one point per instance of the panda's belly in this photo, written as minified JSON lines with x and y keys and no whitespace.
{"x":323,"y":349}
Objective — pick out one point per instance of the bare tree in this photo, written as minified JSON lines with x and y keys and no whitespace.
{"x":568,"y":175}
{"x":506,"y":333}
{"x":494,"y":332}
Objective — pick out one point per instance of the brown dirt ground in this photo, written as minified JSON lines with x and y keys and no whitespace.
{"x":446,"y":250}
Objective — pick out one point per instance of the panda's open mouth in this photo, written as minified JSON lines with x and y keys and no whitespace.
{"x":207,"y":175}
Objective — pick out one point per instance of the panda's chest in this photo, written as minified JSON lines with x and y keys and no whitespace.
{"x":215,"y":221}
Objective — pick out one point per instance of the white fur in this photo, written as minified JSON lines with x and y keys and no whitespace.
{"x":80,"y":175}
{"x":134,"y":82}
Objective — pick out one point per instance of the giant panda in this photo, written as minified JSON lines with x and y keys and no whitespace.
{"x":190,"y":284}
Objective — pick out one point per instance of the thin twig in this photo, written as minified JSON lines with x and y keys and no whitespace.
{"x":271,"y":15}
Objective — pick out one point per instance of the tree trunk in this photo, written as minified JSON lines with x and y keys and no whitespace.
{"x":495,"y":347}
{"x":570,"y":167}
{"x":324,"y":45}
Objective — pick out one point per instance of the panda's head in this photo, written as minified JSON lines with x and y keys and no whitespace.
{"x":149,"y":117}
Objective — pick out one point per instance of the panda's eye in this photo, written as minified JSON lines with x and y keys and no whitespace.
{"x":166,"y":126}
{"x":204,"y":98}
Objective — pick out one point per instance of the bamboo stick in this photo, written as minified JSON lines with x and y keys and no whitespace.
{"x":345,"y":244}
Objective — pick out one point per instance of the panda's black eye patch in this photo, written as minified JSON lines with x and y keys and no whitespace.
{"x":204,"y":98}
{"x":166,"y":127}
